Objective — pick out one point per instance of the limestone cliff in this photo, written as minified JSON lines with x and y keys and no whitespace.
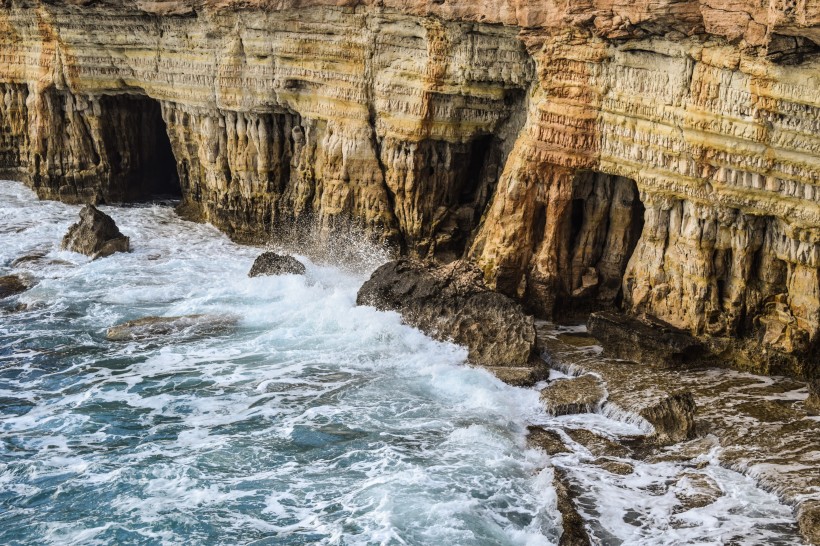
{"x":663,"y":157}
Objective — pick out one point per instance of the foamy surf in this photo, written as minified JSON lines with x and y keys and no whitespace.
{"x":314,"y":421}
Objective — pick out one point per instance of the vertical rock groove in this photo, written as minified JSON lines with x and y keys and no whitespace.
{"x":660,"y":157}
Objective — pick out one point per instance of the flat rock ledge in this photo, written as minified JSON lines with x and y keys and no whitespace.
{"x":157,"y":327}
{"x":11,"y":285}
{"x":271,"y":263}
{"x":583,"y":394}
{"x":452,"y":303}
{"x":95,"y":235}
{"x":645,"y":340}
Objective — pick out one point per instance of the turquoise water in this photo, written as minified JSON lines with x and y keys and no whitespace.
{"x":313,"y":422}
{"x":316,"y":421}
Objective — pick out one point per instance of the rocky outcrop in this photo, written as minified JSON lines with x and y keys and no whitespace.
{"x":11,"y":285}
{"x":95,"y":235}
{"x":646,"y":340}
{"x":187,"y":326}
{"x":451,"y":303}
{"x":271,"y":263}
{"x":583,"y":394}
{"x":658,"y":157}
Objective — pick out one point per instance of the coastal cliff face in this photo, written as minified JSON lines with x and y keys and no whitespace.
{"x":660,"y":157}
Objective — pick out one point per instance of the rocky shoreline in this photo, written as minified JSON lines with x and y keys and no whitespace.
{"x":649,"y":374}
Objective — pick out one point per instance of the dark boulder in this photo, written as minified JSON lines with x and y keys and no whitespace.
{"x":95,"y":235}
{"x":452,"y":303}
{"x":11,"y":285}
{"x":271,"y":263}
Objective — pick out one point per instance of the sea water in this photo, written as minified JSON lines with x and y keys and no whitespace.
{"x":314,"y":421}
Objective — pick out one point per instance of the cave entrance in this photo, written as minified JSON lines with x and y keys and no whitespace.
{"x":603,"y":226}
{"x":138,"y":150}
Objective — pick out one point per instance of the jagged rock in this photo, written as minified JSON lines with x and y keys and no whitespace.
{"x":11,"y":285}
{"x":598,"y":445}
{"x":548,"y":440}
{"x":615,"y":466}
{"x":187,"y":326}
{"x":672,"y":417}
{"x":524,"y":376}
{"x":271,"y":263}
{"x":574,"y":395}
{"x":95,"y":235}
{"x":648,"y":341}
{"x":694,"y":490}
{"x":451,"y":303}
{"x":574,"y":532}
{"x":808,"y":518}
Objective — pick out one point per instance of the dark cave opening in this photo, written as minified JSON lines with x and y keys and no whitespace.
{"x":138,"y":150}
{"x":603,"y":226}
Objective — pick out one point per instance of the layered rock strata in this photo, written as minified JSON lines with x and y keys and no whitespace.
{"x":662,"y":158}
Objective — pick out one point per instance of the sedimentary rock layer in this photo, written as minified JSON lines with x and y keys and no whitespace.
{"x":661,"y":157}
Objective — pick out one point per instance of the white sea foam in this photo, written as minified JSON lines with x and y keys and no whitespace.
{"x":314,"y":421}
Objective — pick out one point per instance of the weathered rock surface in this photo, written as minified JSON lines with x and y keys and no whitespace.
{"x":95,"y":235}
{"x":660,"y":156}
{"x":271,"y":263}
{"x":760,"y":424}
{"x":573,"y":531}
{"x":11,"y":285}
{"x":451,"y":303}
{"x":813,"y":401}
{"x":581,"y":394}
{"x":645,"y":340}
{"x":187,"y":326}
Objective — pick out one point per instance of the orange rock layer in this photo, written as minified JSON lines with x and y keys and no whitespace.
{"x":662,"y":157}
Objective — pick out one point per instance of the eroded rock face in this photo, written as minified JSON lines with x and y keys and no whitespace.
{"x":660,"y":157}
{"x":271,"y":263}
{"x":451,"y":303}
{"x":95,"y":235}
{"x":581,"y":394}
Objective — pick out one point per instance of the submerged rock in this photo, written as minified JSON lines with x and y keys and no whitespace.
{"x":271,"y":263}
{"x":11,"y":285}
{"x":187,"y":325}
{"x":452,"y":303}
{"x":645,"y":340}
{"x":573,"y":395}
{"x":95,"y":235}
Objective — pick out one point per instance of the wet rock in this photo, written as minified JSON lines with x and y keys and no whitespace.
{"x":645,"y":340}
{"x":808,"y":519}
{"x":519,"y":376}
{"x":271,"y":263}
{"x":574,"y":532}
{"x":615,"y":466}
{"x":598,"y":445}
{"x":95,"y":235}
{"x":452,"y":303}
{"x":813,"y":401}
{"x":548,"y":440}
{"x":672,"y":416}
{"x":187,"y":326}
{"x":11,"y":285}
{"x":694,"y":490}
{"x":574,"y":395}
